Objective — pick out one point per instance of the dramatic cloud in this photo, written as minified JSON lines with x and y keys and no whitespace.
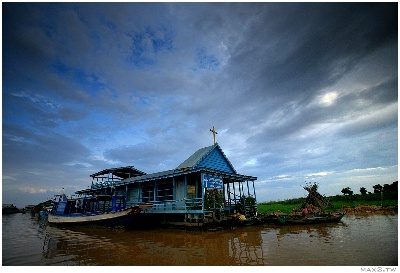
{"x":297,"y":92}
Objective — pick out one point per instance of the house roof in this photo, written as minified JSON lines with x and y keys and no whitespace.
{"x":211,"y":160}
{"x":175,"y":173}
{"x":211,"y":157}
{"x":123,"y":172}
{"x":191,"y":161}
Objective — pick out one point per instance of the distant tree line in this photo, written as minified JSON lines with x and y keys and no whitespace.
{"x":387,"y":192}
{"x":377,"y":189}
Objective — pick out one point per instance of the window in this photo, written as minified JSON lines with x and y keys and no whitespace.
{"x":191,"y":191}
{"x":148,"y":194}
{"x":165,"y":192}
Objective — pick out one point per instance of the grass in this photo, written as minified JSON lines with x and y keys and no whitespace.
{"x":275,"y":207}
{"x":288,"y":205}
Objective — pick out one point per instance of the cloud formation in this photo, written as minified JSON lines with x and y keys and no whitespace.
{"x":297,"y":91}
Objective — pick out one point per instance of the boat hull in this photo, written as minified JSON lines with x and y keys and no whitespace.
{"x":109,"y":219}
{"x":295,"y":220}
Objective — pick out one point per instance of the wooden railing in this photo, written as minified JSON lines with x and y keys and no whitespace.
{"x":174,"y":205}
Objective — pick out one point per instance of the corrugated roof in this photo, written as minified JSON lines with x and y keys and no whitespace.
{"x":200,"y":158}
{"x":123,"y":172}
{"x":174,"y":173}
{"x":190,"y":165}
{"x":196,"y":157}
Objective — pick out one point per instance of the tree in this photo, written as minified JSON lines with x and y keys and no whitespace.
{"x":363,"y":191}
{"x":377,"y":188}
{"x":347,"y":191}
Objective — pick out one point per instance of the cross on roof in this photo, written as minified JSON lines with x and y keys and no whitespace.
{"x":214,"y":132}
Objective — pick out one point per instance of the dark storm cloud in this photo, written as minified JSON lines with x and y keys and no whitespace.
{"x":291,"y":87}
{"x":306,"y":47}
{"x":26,"y":148}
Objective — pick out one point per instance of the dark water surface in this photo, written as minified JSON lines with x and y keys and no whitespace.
{"x":355,"y":241}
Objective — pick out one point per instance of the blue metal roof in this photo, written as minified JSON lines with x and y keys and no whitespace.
{"x":211,"y":157}
{"x":195,"y":158}
{"x":175,"y":173}
{"x":211,"y":160}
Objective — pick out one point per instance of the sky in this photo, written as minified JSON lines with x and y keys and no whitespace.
{"x":298,"y":93}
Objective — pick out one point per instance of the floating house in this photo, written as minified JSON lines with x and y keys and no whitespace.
{"x":9,"y":209}
{"x":203,"y":189}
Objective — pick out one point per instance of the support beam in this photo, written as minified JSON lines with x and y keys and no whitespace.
{"x":185,"y":186}
{"x":139,"y":187}
{"x":234,"y":192}
{"x":155,"y":190}
{"x":173,"y":189}
{"x":254,"y":189}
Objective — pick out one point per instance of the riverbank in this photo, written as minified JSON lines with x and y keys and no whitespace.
{"x":370,"y":209}
{"x":389,"y":207}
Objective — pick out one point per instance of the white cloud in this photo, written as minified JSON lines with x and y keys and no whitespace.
{"x":32,"y":190}
{"x":328,"y":99}
{"x":319,"y":174}
{"x":7,"y":177}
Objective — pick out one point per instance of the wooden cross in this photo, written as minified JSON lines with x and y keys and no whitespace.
{"x":214,"y":132}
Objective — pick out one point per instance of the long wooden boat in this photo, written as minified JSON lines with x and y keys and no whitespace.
{"x":309,"y":219}
{"x":93,"y":210}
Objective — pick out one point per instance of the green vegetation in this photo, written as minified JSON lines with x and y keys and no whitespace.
{"x":285,"y":206}
{"x":288,"y":205}
{"x":386,"y":195}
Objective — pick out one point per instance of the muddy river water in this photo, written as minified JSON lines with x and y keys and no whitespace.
{"x":355,"y":241}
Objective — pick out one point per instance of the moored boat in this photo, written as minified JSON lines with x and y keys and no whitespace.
{"x":101,"y":210}
{"x":309,"y":219}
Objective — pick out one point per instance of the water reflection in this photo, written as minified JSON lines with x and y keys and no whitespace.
{"x":245,"y":246}
{"x":349,"y":242}
{"x":85,"y":246}
{"x":321,"y":230}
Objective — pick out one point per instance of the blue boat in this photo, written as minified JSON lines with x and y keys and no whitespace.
{"x":100,"y":210}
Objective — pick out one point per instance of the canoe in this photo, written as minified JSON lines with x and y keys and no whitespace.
{"x":309,"y":219}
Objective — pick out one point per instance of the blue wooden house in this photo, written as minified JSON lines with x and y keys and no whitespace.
{"x":205,"y":188}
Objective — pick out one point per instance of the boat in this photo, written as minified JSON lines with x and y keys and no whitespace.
{"x":309,"y":219}
{"x":312,"y":210}
{"x":100,"y":210}
{"x":44,"y":213}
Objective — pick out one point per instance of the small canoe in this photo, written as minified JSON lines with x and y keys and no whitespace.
{"x":309,"y":219}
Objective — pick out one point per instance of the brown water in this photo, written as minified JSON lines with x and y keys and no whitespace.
{"x":355,"y":241}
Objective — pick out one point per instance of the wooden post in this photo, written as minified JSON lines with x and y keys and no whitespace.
{"x":234,"y":192}
{"x":185,"y":186}
{"x":138,"y":193}
{"x":155,"y":191}
{"x":254,"y":189}
{"x":173,"y":188}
